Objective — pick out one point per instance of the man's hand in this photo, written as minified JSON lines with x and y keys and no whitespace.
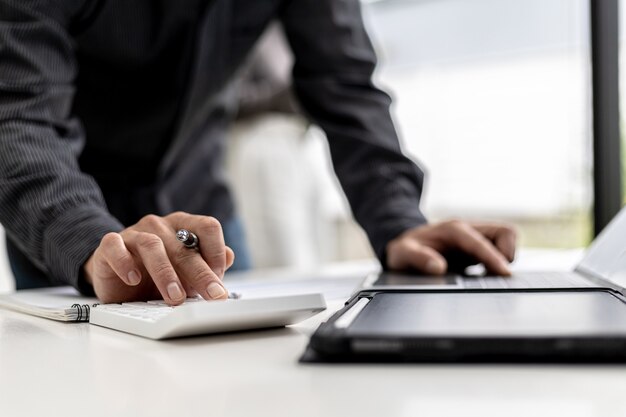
{"x":146,"y":261}
{"x":431,"y":248}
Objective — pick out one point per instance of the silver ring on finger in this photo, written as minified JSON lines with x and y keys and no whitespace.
{"x":189,"y":239}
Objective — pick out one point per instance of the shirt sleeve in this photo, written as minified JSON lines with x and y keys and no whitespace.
{"x":334,"y":62}
{"x":54,"y":213}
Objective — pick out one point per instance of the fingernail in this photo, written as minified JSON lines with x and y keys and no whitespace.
{"x":174,"y":291}
{"x":433,"y":267}
{"x":215,"y":290}
{"x":133,"y":277}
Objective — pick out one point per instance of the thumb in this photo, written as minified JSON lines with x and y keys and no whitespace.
{"x":413,"y":255}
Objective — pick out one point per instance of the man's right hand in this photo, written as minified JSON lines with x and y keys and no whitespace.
{"x":146,"y":261}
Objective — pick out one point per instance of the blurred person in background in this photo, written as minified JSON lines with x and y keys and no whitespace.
{"x":287,"y":198}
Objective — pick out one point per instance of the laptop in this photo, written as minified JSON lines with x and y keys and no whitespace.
{"x":540,"y":316}
{"x":603,"y":265}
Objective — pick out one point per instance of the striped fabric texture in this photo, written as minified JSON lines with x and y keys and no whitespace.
{"x":112,"y":109}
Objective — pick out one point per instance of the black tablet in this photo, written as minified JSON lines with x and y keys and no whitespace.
{"x":498,"y":325}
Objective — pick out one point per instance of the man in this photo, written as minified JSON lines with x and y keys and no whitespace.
{"x":111,"y":133}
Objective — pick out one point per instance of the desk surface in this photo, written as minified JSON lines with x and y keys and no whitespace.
{"x":58,"y":369}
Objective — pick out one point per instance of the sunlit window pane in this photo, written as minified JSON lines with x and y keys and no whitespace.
{"x":493,"y":97}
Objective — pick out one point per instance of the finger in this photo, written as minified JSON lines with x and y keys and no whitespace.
{"x":193,"y":271}
{"x":409,"y":254}
{"x":505,"y":241}
{"x":504,"y":238}
{"x":119,"y":259}
{"x":473,"y":243}
{"x":210,"y":236}
{"x":196,"y":273}
{"x":193,"y":268}
{"x":160,"y":227}
{"x":230,"y":258}
{"x":189,"y":290}
{"x":150,"y":248}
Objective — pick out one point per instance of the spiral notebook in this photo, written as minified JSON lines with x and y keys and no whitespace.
{"x":56,"y":303}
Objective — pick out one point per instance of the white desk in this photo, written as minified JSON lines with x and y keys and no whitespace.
{"x":57,"y":369}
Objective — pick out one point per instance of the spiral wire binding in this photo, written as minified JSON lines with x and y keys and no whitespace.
{"x":83,"y":311}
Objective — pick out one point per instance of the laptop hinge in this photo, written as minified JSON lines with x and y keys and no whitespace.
{"x":598,"y":279}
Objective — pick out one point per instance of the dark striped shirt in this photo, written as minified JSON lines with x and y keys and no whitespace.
{"x":112,"y":109}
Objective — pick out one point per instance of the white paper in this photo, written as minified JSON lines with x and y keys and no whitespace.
{"x":53,"y":303}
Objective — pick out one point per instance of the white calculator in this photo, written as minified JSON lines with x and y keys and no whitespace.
{"x":157,"y":320}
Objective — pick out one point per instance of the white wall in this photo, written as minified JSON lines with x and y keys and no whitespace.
{"x":6,"y":277}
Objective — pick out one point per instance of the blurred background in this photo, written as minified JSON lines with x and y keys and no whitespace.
{"x":491,"y":97}
{"x":494,"y":97}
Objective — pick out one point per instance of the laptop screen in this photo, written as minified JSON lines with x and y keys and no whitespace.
{"x":606,"y":257}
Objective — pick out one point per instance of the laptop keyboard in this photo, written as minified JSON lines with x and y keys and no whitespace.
{"x":529,"y":280}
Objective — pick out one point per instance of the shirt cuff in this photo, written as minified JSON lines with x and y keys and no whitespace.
{"x":386,"y":231}
{"x":71,"y":239}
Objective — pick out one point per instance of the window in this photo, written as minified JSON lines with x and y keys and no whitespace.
{"x":493,"y":97}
